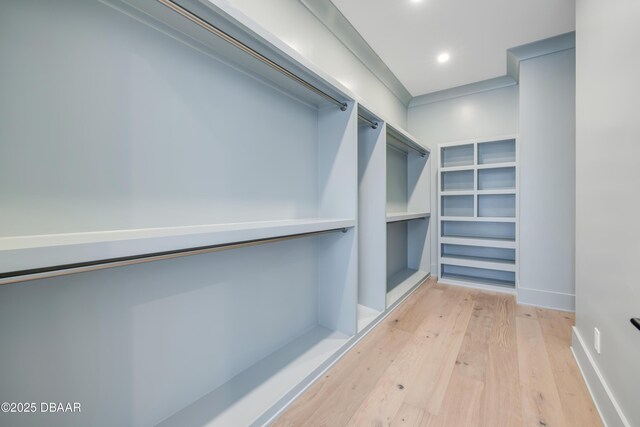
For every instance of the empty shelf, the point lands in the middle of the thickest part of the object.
(478, 262)
(366, 315)
(457, 168)
(496, 192)
(478, 219)
(459, 279)
(471, 241)
(42, 251)
(400, 283)
(457, 193)
(497, 165)
(406, 216)
(245, 398)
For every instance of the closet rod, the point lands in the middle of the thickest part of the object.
(81, 267)
(374, 125)
(243, 47)
(395, 147)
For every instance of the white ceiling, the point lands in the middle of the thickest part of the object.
(409, 35)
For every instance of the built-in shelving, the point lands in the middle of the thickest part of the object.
(242, 400)
(400, 283)
(366, 315)
(199, 143)
(38, 252)
(195, 143)
(406, 216)
(478, 195)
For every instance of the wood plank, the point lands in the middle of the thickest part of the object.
(526, 311)
(367, 360)
(577, 406)
(409, 312)
(519, 370)
(411, 319)
(501, 405)
(387, 396)
(408, 416)
(429, 381)
(352, 387)
(462, 403)
(540, 400)
(472, 359)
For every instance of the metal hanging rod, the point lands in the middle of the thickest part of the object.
(373, 124)
(411, 147)
(81, 267)
(243, 47)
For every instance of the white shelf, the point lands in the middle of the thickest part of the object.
(31, 252)
(477, 219)
(493, 192)
(497, 165)
(471, 241)
(477, 262)
(457, 193)
(406, 216)
(457, 168)
(477, 283)
(401, 283)
(366, 315)
(244, 399)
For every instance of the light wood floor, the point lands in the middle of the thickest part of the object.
(451, 356)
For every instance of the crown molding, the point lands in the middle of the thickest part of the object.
(458, 91)
(335, 21)
(515, 56)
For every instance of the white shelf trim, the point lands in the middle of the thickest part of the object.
(42, 251)
(471, 241)
(497, 165)
(457, 193)
(478, 263)
(457, 168)
(406, 216)
(496, 192)
(478, 219)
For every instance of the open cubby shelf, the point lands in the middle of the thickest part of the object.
(497, 205)
(457, 181)
(497, 179)
(459, 155)
(493, 152)
(478, 196)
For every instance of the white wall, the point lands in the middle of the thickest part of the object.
(292, 22)
(482, 114)
(607, 200)
(547, 180)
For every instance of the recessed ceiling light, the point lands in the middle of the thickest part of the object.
(416, 1)
(443, 57)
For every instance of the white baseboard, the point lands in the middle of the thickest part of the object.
(546, 299)
(610, 411)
